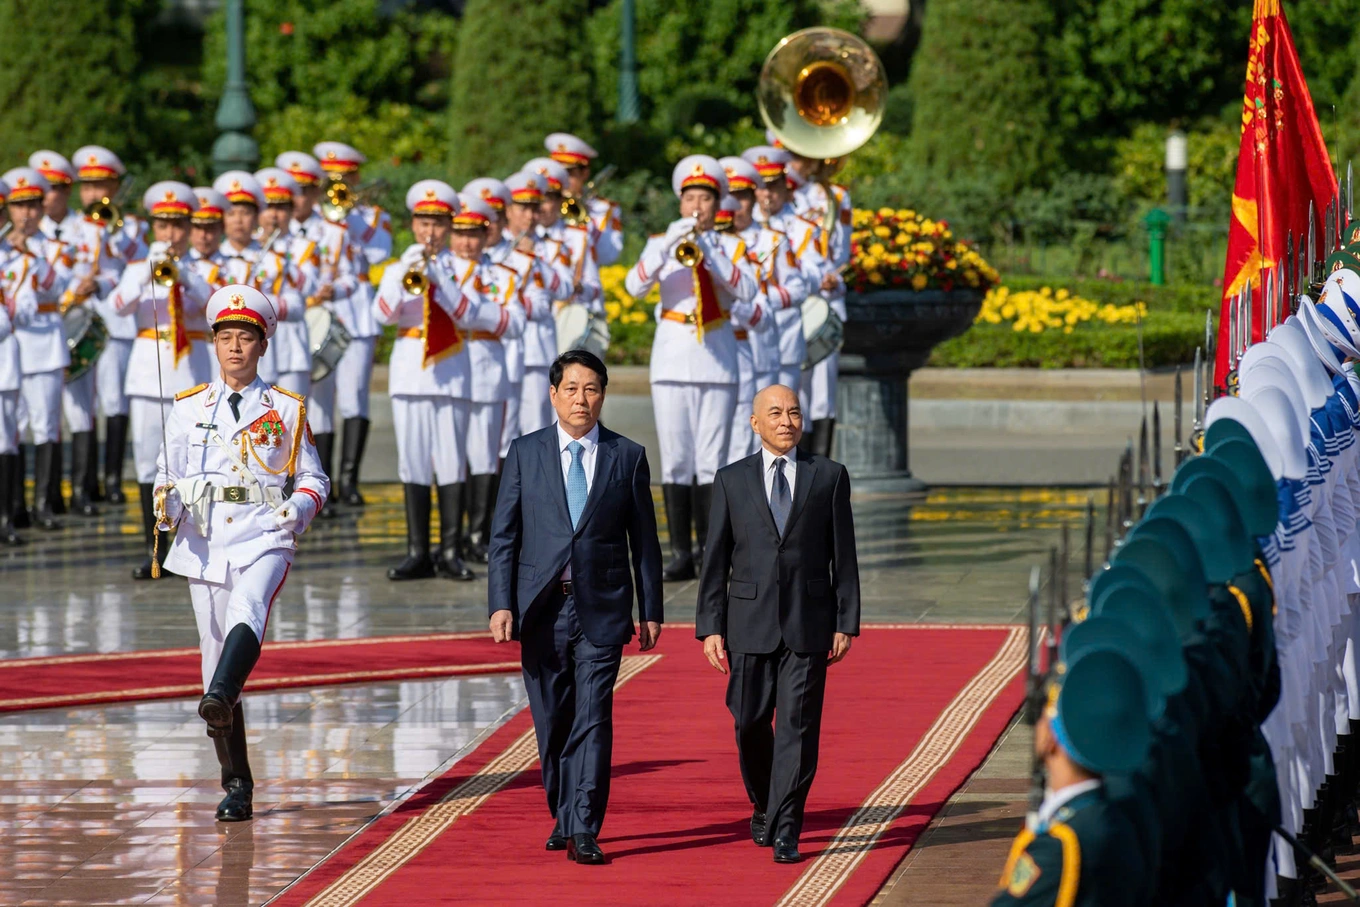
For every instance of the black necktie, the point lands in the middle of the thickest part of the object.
(235, 401)
(780, 499)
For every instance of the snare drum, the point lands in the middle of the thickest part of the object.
(327, 339)
(578, 328)
(86, 337)
(822, 329)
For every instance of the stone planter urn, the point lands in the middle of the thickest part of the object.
(888, 335)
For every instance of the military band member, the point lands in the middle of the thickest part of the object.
(500, 251)
(774, 209)
(540, 335)
(206, 232)
(59, 221)
(100, 174)
(694, 370)
(370, 240)
(782, 287)
(430, 379)
(18, 304)
(488, 359)
(575, 240)
(827, 205)
(231, 446)
(43, 356)
(168, 297)
(607, 228)
(291, 349)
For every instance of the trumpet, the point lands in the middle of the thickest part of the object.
(687, 251)
(166, 272)
(575, 211)
(338, 202)
(416, 281)
(105, 213)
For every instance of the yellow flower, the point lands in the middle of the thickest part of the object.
(882, 232)
(919, 282)
(877, 250)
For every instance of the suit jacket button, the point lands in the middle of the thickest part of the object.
(229, 520)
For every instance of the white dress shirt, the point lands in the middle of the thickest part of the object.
(1056, 800)
(790, 469)
(591, 444)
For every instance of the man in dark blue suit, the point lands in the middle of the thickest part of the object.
(575, 497)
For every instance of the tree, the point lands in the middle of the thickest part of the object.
(68, 78)
(981, 93)
(520, 71)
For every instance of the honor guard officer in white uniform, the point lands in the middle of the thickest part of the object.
(230, 448)
(540, 336)
(340, 266)
(43, 356)
(774, 209)
(100, 173)
(832, 214)
(782, 287)
(290, 353)
(575, 240)
(576, 155)
(17, 306)
(499, 251)
(206, 230)
(491, 355)
(370, 236)
(59, 221)
(430, 295)
(167, 296)
(694, 355)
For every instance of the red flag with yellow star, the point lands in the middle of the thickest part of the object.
(1282, 165)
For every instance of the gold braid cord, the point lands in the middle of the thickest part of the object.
(158, 509)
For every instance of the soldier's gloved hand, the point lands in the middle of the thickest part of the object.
(159, 251)
(412, 256)
(678, 231)
(288, 516)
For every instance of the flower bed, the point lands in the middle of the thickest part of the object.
(903, 249)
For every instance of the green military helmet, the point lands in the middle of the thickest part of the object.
(1149, 620)
(1114, 574)
(1224, 430)
(1164, 551)
(1346, 258)
(1102, 714)
(1108, 633)
(1214, 525)
(1260, 505)
(1257, 505)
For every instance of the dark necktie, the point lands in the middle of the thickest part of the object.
(235, 401)
(780, 499)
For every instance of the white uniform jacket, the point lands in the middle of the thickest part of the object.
(585, 272)
(18, 305)
(685, 350)
(342, 265)
(608, 229)
(535, 280)
(101, 254)
(371, 227)
(254, 455)
(486, 350)
(454, 291)
(209, 267)
(811, 202)
(45, 267)
(275, 274)
(155, 331)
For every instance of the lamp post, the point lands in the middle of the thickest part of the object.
(1175, 174)
(234, 148)
(628, 92)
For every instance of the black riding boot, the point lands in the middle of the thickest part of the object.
(325, 451)
(356, 436)
(84, 484)
(18, 501)
(481, 499)
(450, 560)
(236, 778)
(44, 507)
(115, 452)
(679, 504)
(417, 564)
(703, 498)
(240, 651)
(54, 495)
(7, 534)
(150, 532)
(823, 432)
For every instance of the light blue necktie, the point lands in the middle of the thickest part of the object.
(576, 483)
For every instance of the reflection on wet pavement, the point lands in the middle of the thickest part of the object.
(115, 804)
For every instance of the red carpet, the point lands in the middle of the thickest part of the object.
(909, 715)
(71, 680)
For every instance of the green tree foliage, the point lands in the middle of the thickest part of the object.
(520, 72)
(67, 78)
(982, 94)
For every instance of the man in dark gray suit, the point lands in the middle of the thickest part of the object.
(779, 601)
(575, 498)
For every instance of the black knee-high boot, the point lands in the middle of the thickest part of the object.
(356, 437)
(679, 503)
(240, 651)
(450, 560)
(325, 452)
(481, 503)
(237, 780)
(823, 433)
(54, 496)
(417, 564)
(7, 534)
(703, 498)
(18, 494)
(84, 484)
(44, 507)
(115, 452)
(155, 540)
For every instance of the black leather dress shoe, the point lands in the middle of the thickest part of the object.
(758, 824)
(236, 805)
(216, 713)
(556, 840)
(786, 851)
(583, 849)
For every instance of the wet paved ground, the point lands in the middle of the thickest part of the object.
(114, 804)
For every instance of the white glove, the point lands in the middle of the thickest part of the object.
(679, 230)
(159, 251)
(412, 256)
(286, 516)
